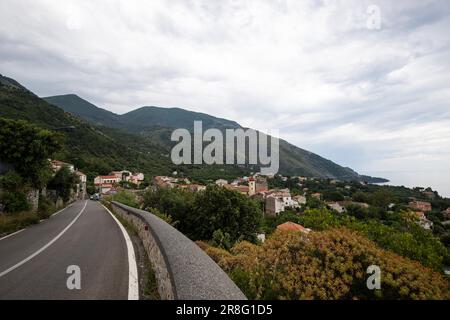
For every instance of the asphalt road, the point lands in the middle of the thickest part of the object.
(34, 262)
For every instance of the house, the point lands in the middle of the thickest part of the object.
(251, 186)
(422, 220)
(57, 165)
(105, 188)
(299, 199)
(274, 205)
(239, 188)
(420, 206)
(221, 182)
(317, 195)
(125, 175)
(291, 226)
(163, 182)
(192, 187)
(104, 184)
(136, 178)
(81, 186)
(336, 206)
(277, 201)
(110, 179)
(261, 185)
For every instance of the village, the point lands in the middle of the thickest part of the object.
(274, 201)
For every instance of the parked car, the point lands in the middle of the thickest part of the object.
(95, 197)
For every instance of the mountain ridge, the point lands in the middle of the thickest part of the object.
(156, 123)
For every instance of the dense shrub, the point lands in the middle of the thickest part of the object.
(63, 182)
(14, 201)
(402, 236)
(127, 198)
(202, 213)
(330, 264)
(28, 147)
(46, 207)
(12, 193)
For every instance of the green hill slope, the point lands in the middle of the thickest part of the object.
(156, 124)
(86, 110)
(93, 149)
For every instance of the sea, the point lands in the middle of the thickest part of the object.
(438, 180)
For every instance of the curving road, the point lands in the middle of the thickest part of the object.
(34, 262)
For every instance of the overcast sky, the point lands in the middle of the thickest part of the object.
(366, 97)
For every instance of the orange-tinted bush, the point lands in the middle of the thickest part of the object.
(326, 265)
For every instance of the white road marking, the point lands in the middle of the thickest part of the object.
(60, 210)
(44, 247)
(11, 234)
(133, 283)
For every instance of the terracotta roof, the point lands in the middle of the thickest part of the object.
(419, 214)
(238, 188)
(291, 226)
(107, 177)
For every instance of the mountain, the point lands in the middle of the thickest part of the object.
(138, 119)
(86, 110)
(93, 149)
(174, 118)
(156, 125)
(10, 82)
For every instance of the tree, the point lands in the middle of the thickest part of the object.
(221, 240)
(357, 211)
(174, 202)
(12, 194)
(200, 214)
(63, 182)
(219, 208)
(333, 195)
(28, 148)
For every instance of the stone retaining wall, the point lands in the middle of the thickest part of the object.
(182, 269)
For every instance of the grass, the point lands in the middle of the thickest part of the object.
(10, 223)
(150, 289)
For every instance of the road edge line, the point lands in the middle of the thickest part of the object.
(11, 234)
(44, 247)
(133, 283)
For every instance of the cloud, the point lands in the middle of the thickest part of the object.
(364, 98)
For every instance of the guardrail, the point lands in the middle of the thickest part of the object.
(183, 270)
